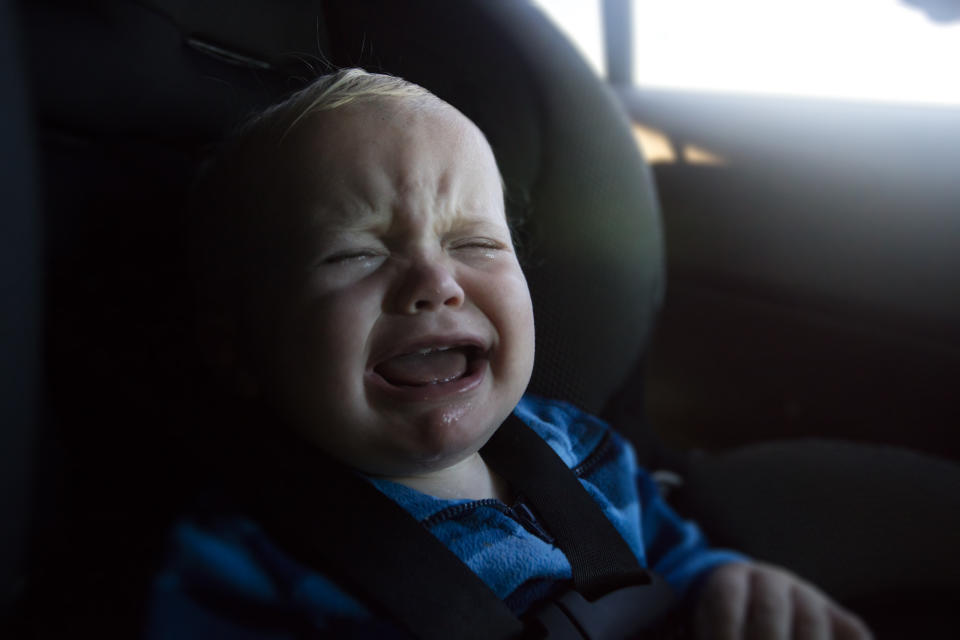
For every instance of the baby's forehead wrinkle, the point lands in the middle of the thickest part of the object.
(351, 200)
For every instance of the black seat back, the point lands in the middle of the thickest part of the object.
(20, 305)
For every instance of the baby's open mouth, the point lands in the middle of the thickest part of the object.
(430, 366)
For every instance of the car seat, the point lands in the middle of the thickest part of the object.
(20, 296)
(128, 94)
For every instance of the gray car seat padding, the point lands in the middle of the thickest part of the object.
(20, 305)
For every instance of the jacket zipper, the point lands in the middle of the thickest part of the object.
(518, 512)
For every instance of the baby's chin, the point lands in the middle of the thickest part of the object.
(440, 438)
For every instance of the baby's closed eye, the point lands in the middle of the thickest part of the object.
(487, 248)
(350, 255)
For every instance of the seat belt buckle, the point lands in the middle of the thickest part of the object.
(633, 611)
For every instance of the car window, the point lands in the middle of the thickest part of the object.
(580, 20)
(874, 50)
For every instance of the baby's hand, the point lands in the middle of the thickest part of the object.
(753, 600)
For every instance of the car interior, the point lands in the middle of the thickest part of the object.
(777, 332)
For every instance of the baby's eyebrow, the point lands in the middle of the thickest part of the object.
(472, 221)
(475, 226)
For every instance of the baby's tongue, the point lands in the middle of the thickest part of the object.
(418, 369)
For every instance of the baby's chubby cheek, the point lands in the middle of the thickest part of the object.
(520, 339)
(521, 309)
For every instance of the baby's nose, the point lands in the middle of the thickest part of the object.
(428, 286)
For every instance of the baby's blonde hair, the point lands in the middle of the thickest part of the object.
(332, 92)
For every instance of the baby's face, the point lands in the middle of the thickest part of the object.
(407, 338)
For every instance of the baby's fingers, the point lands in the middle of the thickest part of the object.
(721, 611)
(771, 606)
(816, 616)
(847, 626)
(811, 613)
(756, 601)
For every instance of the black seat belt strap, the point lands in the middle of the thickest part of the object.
(600, 558)
(375, 549)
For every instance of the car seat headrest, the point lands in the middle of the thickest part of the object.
(155, 80)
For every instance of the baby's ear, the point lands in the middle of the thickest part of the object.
(219, 344)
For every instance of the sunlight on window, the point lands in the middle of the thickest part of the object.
(656, 146)
(659, 149)
(694, 154)
(878, 50)
(580, 21)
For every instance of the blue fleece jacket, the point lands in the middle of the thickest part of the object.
(225, 578)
